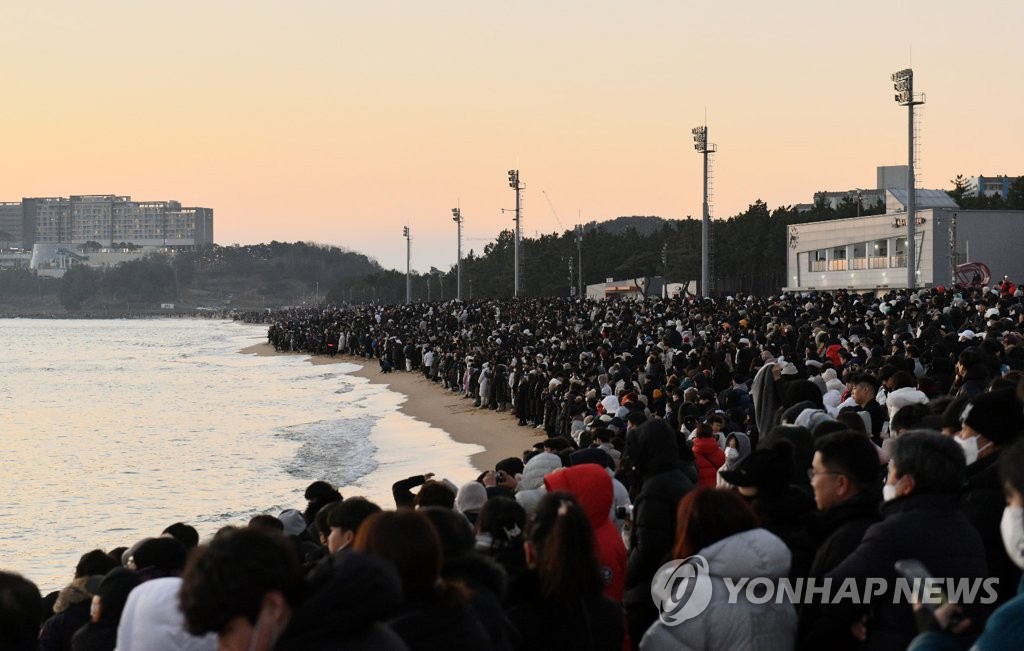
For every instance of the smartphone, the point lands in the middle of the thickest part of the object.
(913, 569)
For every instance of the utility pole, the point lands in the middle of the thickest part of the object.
(408, 264)
(513, 182)
(700, 143)
(457, 218)
(664, 270)
(903, 83)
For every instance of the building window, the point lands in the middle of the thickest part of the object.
(818, 260)
(838, 260)
(860, 256)
(879, 254)
(899, 253)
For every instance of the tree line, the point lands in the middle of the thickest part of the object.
(748, 256)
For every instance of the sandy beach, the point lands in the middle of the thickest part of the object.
(498, 434)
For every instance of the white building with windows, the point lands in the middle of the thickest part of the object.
(108, 220)
(870, 253)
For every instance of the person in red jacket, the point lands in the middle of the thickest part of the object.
(709, 456)
(592, 486)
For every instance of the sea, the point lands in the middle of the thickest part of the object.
(111, 430)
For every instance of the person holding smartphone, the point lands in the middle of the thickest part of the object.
(1004, 629)
(921, 519)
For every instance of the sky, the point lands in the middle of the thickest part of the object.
(340, 122)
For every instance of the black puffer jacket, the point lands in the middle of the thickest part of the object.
(660, 483)
(982, 502)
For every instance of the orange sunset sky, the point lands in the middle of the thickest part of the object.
(340, 122)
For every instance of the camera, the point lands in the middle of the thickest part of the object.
(624, 512)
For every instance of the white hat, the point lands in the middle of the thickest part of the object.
(967, 334)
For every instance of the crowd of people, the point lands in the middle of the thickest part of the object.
(828, 437)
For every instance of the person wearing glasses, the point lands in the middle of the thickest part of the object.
(846, 479)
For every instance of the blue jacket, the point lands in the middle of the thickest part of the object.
(1003, 630)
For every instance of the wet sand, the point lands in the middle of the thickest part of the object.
(497, 433)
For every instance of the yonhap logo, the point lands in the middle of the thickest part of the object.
(681, 589)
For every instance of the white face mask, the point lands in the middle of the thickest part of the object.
(970, 448)
(731, 453)
(1011, 527)
(888, 492)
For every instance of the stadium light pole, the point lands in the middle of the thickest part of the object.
(457, 218)
(700, 143)
(408, 264)
(903, 84)
(513, 182)
(579, 256)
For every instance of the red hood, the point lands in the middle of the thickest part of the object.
(705, 446)
(590, 484)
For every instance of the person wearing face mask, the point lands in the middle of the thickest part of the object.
(1004, 629)
(737, 447)
(921, 519)
(990, 422)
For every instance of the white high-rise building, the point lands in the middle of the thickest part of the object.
(109, 220)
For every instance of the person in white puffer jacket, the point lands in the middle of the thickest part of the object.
(734, 547)
(531, 487)
(905, 393)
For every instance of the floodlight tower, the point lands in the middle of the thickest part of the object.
(903, 83)
(700, 143)
(457, 218)
(408, 264)
(513, 182)
(579, 256)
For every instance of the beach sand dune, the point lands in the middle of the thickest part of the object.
(497, 433)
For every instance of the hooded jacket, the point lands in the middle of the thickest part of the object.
(591, 484)
(152, 621)
(766, 400)
(72, 612)
(739, 625)
(531, 488)
(900, 398)
(742, 450)
(709, 458)
(654, 453)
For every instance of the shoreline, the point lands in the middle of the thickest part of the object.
(498, 434)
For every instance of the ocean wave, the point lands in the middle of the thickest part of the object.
(338, 450)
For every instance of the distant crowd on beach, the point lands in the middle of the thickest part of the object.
(825, 439)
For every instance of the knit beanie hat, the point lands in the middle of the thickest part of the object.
(996, 415)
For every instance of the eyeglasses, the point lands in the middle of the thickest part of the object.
(811, 474)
